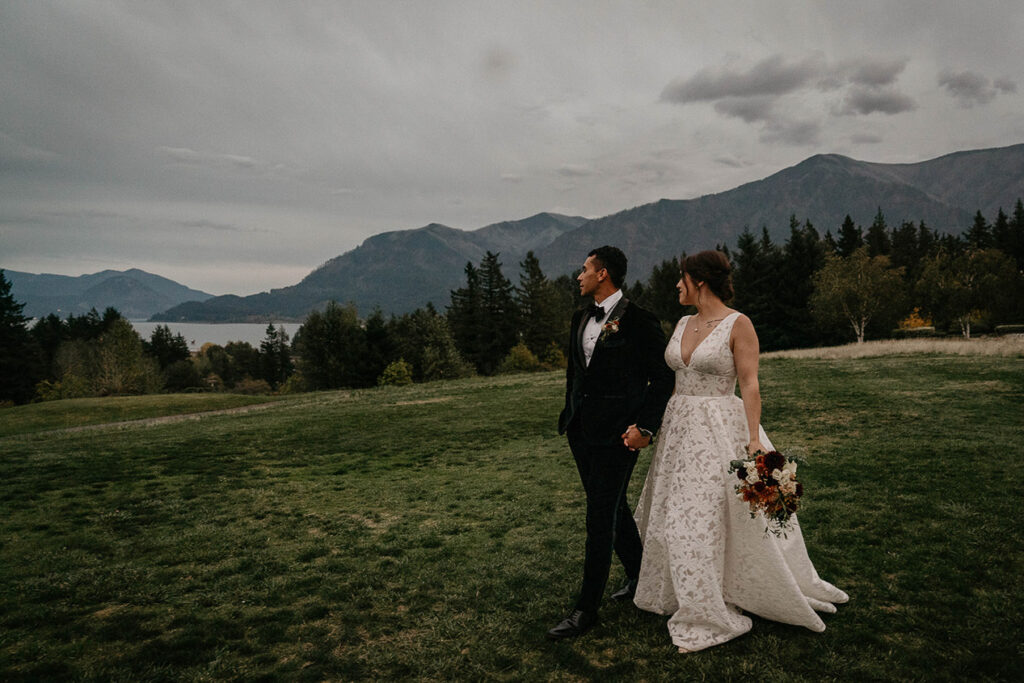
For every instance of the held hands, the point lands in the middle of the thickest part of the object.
(754, 446)
(633, 439)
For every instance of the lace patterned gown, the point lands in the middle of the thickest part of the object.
(704, 559)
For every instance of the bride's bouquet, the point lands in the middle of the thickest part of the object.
(768, 485)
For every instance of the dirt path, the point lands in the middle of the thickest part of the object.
(153, 421)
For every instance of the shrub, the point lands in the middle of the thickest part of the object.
(252, 386)
(553, 358)
(520, 359)
(181, 375)
(295, 384)
(915, 321)
(398, 373)
(1009, 329)
(444, 363)
(69, 386)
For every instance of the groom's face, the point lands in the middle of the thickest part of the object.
(591, 276)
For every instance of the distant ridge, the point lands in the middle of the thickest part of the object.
(394, 271)
(944, 192)
(402, 270)
(135, 293)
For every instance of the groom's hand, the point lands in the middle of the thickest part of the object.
(633, 439)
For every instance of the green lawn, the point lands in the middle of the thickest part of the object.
(81, 412)
(436, 532)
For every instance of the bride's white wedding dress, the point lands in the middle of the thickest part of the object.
(704, 558)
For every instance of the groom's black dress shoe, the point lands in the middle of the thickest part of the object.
(626, 592)
(576, 624)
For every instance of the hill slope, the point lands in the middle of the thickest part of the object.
(400, 271)
(395, 271)
(135, 293)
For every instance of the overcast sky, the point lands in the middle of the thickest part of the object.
(235, 146)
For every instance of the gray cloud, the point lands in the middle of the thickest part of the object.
(866, 139)
(574, 170)
(874, 73)
(750, 109)
(794, 133)
(318, 124)
(13, 151)
(191, 157)
(771, 76)
(1005, 85)
(971, 88)
(731, 162)
(212, 225)
(869, 100)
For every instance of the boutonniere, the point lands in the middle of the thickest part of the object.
(611, 327)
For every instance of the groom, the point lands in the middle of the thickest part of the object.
(617, 385)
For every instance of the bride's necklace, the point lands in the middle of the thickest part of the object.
(707, 325)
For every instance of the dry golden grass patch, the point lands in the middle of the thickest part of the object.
(1008, 346)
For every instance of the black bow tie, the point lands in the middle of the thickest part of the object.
(595, 311)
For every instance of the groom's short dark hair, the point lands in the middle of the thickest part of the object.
(614, 261)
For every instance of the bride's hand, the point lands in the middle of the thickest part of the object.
(754, 446)
(633, 439)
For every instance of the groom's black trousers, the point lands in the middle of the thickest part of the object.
(605, 473)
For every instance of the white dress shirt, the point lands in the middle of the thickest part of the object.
(592, 330)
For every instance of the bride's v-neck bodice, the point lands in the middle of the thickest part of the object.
(711, 371)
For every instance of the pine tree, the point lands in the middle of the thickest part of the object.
(661, 296)
(905, 251)
(19, 368)
(1001, 235)
(165, 347)
(802, 255)
(1016, 251)
(979, 235)
(331, 346)
(537, 299)
(275, 355)
(877, 238)
(465, 317)
(499, 313)
(755, 279)
(927, 241)
(850, 238)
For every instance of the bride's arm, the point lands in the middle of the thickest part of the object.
(745, 351)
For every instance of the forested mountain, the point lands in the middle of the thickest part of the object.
(135, 293)
(395, 271)
(403, 270)
(945, 193)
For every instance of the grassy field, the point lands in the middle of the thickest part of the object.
(436, 532)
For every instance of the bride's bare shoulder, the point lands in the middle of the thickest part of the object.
(743, 327)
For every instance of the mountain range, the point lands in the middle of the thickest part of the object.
(135, 293)
(402, 270)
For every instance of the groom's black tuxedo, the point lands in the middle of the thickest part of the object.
(627, 382)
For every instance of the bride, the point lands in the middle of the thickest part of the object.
(705, 561)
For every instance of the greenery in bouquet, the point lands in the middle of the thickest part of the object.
(768, 485)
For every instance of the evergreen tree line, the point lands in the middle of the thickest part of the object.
(815, 290)
(101, 355)
(811, 290)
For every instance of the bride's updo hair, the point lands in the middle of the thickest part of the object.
(713, 269)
